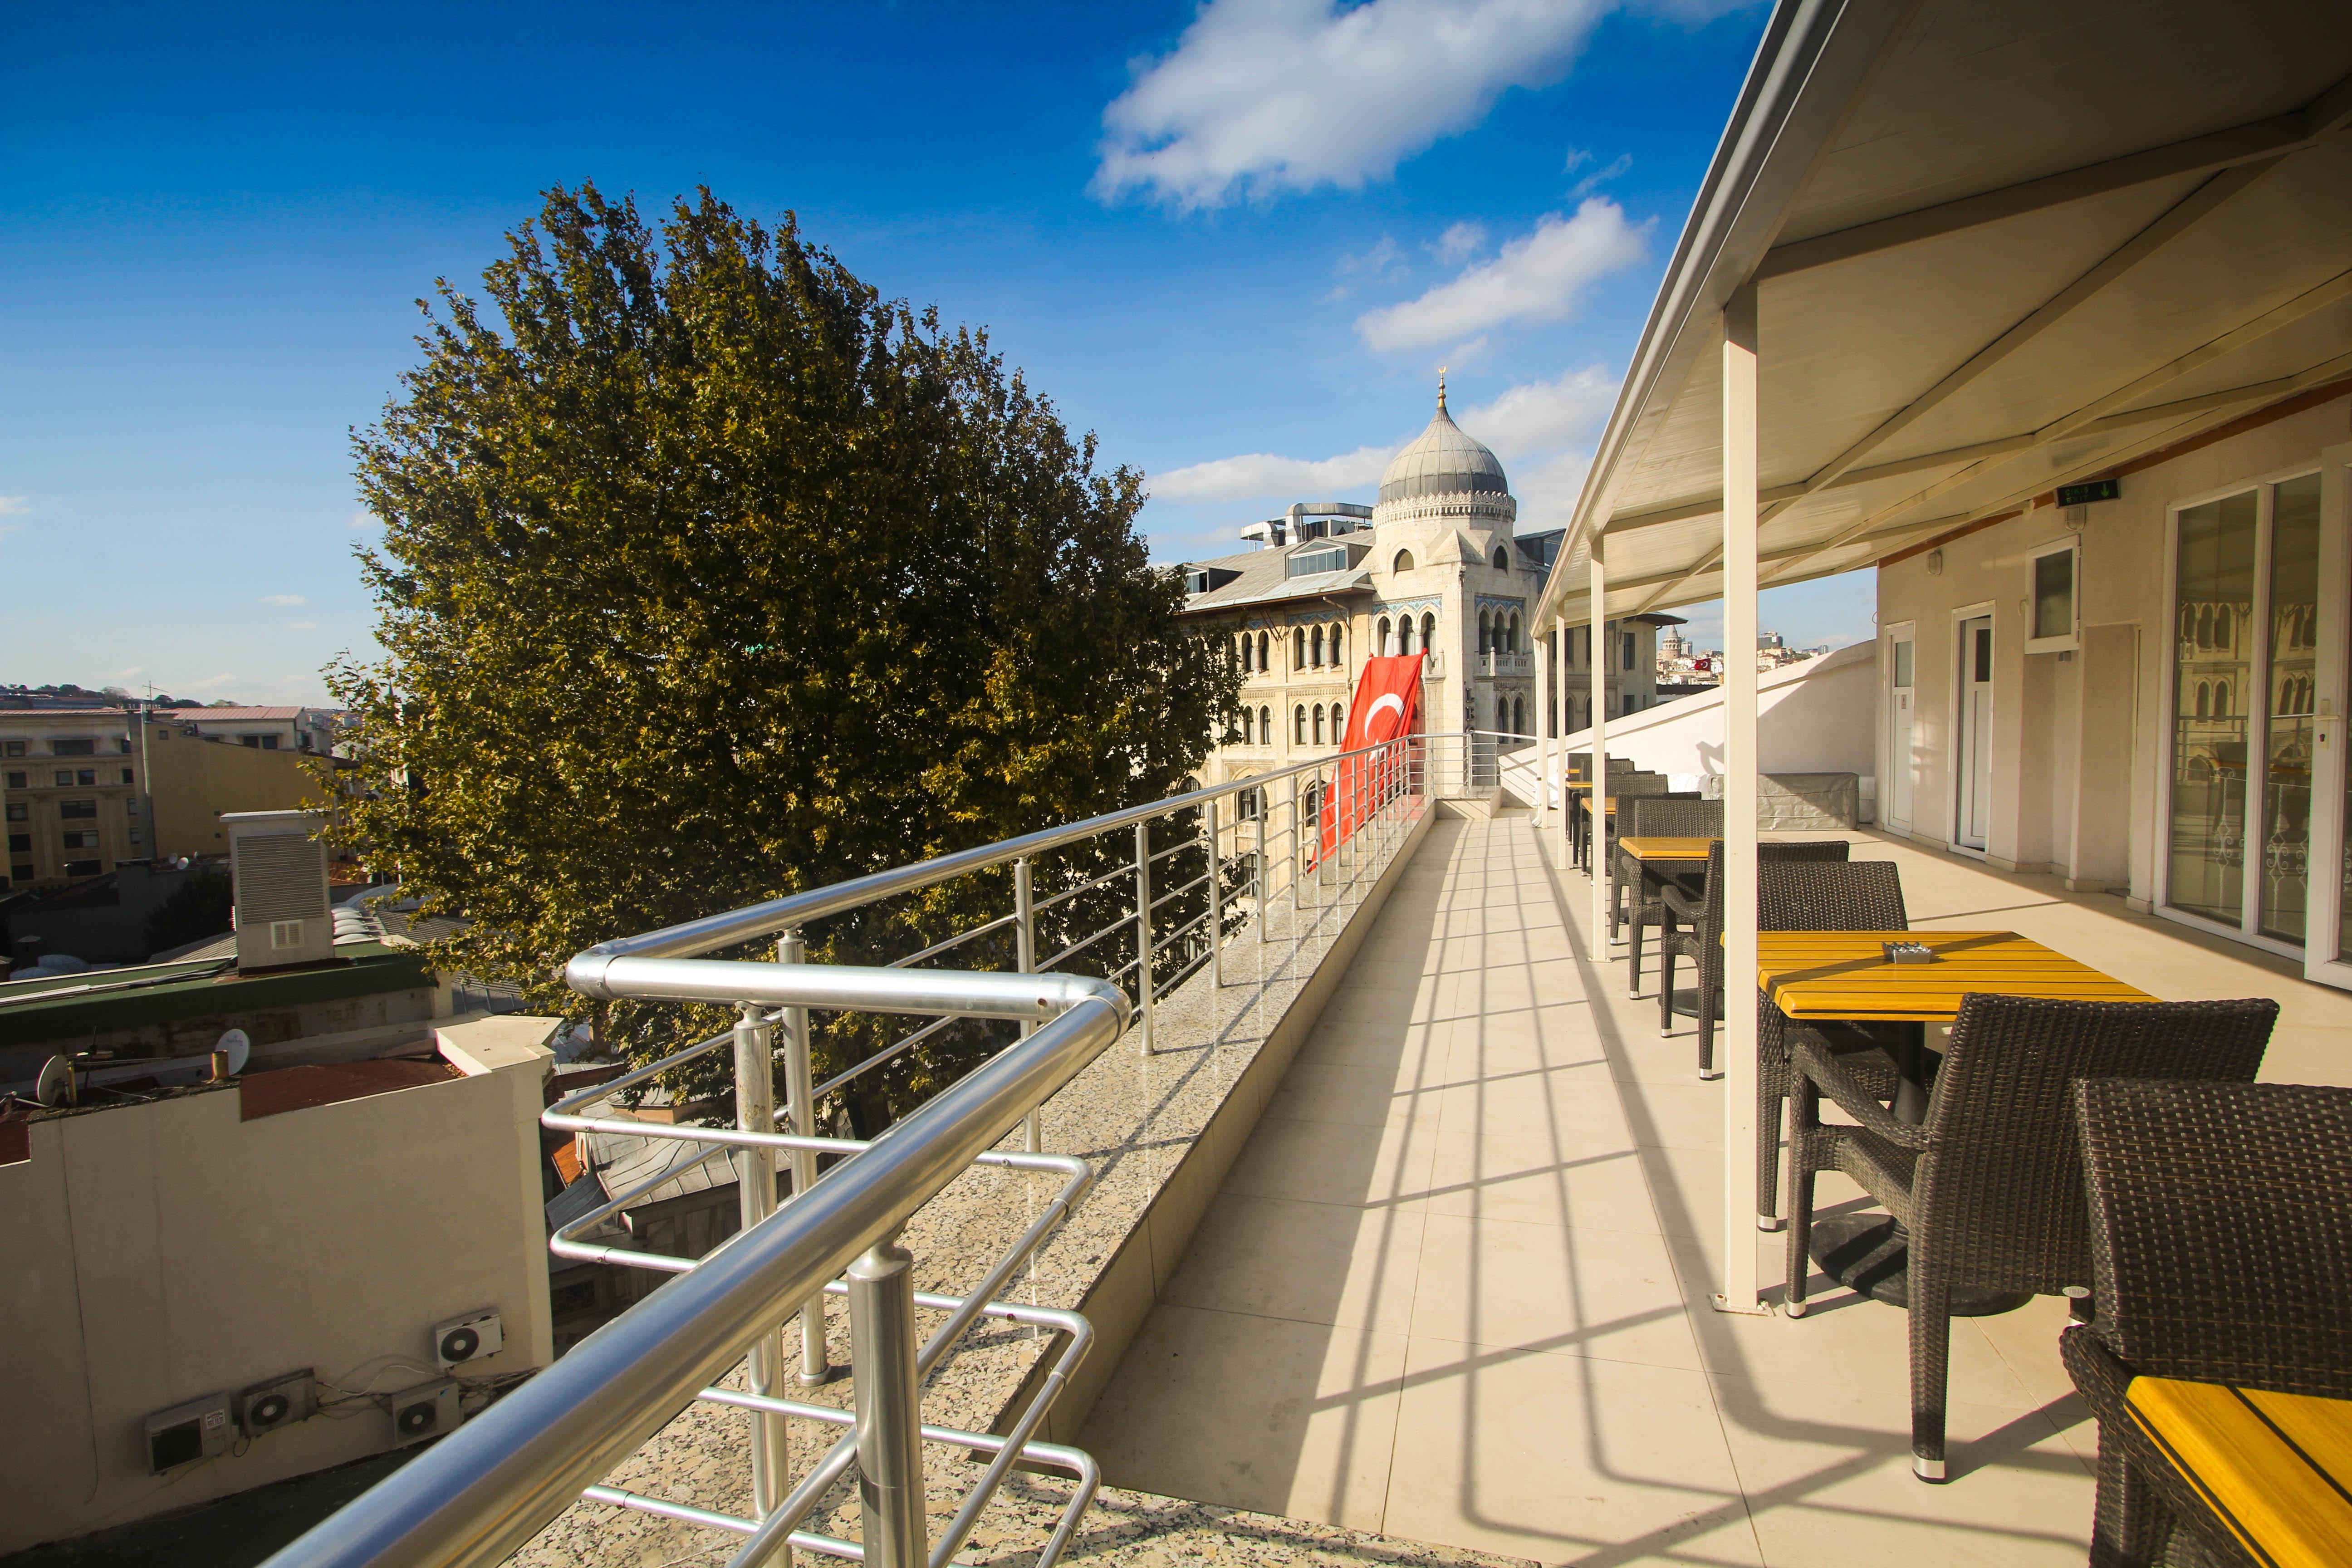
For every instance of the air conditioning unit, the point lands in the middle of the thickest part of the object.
(277, 870)
(476, 1334)
(186, 1432)
(280, 1401)
(428, 1410)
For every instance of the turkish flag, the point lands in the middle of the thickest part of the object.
(1387, 708)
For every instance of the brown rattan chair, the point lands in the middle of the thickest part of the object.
(1989, 1185)
(1691, 927)
(2220, 1232)
(1668, 817)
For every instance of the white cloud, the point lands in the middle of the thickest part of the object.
(14, 505)
(1262, 96)
(281, 598)
(1264, 474)
(1547, 492)
(1538, 276)
(361, 519)
(1585, 186)
(1542, 415)
(1459, 243)
(301, 626)
(209, 683)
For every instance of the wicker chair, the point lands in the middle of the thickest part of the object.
(1692, 928)
(1989, 1185)
(2220, 1229)
(1665, 816)
(1622, 787)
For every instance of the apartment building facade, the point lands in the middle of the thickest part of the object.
(73, 794)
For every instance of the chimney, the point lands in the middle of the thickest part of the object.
(279, 870)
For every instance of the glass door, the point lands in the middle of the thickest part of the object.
(1973, 804)
(1901, 647)
(2245, 716)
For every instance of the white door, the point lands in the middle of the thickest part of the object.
(1975, 803)
(1899, 739)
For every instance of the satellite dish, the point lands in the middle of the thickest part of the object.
(56, 1084)
(238, 1047)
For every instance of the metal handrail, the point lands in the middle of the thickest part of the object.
(487, 1488)
(501, 1478)
(797, 910)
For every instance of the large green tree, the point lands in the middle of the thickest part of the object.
(708, 574)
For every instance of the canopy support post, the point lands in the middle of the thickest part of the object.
(1740, 791)
(1543, 733)
(1596, 660)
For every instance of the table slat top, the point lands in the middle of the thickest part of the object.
(2275, 1467)
(1646, 846)
(1845, 974)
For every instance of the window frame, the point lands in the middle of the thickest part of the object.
(2071, 546)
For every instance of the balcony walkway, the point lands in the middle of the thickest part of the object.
(1456, 1287)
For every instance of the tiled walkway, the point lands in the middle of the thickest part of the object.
(1455, 1287)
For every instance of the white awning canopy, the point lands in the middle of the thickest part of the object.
(1998, 246)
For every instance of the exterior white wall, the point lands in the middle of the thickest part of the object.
(2078, 743)
(1810, 718)
(162, 1252)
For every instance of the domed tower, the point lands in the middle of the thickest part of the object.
(1446, 475)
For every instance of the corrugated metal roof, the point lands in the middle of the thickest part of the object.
(1262, 581)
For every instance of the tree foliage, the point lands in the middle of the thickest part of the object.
(708, 574)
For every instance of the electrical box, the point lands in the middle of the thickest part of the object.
(276, 1402)
(186, 1432)
(460, 1340)
(428, 1410)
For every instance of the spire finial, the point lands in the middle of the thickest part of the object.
(1441, 389)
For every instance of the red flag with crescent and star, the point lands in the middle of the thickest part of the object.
(1387, 707)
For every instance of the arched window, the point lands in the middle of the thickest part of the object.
(1387, 634)
(1245, 653)
(1485, 633)
(1261, 653)
(2222, 696)
(1298, 723)
(1338, 721)
(2222, 628)
(1502, 559)
(1314, 646)
(1247, 737)
(1265, 726)
(1334, 646)
(1518, 717)
(1513, 644)
(1429, 631)
(1318, 723)
(1404, 635)
(1298, 647)
(1404, 561)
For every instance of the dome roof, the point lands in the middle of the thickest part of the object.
(1444, 460)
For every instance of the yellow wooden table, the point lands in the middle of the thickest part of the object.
(2277, 1468)
(1845, 976)
(1649, 847)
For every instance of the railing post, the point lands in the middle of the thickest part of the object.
(1264, 902)
(800, 1091)
(1216, 899)
(755, 1192)
(1143, 930)
(1297, 854)
(890, 1412)
(1024, 958)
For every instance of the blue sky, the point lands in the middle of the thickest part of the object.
(1233, 239)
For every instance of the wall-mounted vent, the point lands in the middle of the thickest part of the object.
(279, 870)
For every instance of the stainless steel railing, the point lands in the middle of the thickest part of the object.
(483, 1491)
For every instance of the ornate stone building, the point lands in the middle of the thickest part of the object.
(1435, 565)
